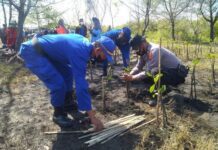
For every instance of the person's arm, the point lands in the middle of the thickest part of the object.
(83, 96)
(138, 67)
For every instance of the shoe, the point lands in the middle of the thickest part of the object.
(61, 119)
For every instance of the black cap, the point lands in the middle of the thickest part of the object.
(136, 41)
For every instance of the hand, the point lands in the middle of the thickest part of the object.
(98, 125)
(127, 77)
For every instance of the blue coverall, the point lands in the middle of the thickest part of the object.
(124, 48)
(67, 56)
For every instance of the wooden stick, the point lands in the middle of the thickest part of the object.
(63, 132)
(109, 124)
(116, 132)
(117, 126)
(123, 125)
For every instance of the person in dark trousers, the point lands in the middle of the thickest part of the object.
(174, 72)
(57, 60)
(81, 29)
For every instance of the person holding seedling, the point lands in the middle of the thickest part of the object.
(172, 70)
(59, 59)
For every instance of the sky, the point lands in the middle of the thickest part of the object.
(69, 7)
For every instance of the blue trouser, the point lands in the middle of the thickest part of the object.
(126, 57)
(55, 75)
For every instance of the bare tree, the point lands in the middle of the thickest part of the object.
(4, 12)
(23, 8)
(111, 4)
(209, 11)
(173, 9)
(141, 8)
(96, 8)
(10, 11)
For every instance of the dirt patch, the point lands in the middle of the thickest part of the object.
(25, 112)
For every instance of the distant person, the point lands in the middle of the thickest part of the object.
(11, 35)
(61, 29)
(96, 30)
(121, 37)
(81, 29)
(109, 28)
(58, 60)
(174, 72)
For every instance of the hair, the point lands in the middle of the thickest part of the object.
(97, 24)
(137, 40)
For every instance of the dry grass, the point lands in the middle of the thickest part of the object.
(182, 134)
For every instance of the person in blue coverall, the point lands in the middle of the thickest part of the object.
(96, 30)
(121, 38)
(57, 60)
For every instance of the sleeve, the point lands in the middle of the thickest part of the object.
(153, 59)
(139, 66)
(82, 93)
(96, 32)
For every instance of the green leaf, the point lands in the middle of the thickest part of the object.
(196, 61)
(211, 56)
(157, 77)
(127, 70)
(153, 95)
(151, 89)
(163, 88)
(148, 74)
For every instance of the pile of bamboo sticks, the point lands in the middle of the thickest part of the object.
(115, 128)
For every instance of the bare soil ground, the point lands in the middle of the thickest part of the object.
(25, 114)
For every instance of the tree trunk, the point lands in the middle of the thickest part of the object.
(21, 19)
(4, 12)
(211, 31)
(10, 12)
(173, 29)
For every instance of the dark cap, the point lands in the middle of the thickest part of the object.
(136, 41)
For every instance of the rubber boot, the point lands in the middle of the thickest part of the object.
(61, 119)
(70, 104)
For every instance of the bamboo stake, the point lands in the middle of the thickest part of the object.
(111, 123)
(63, 132)
(103, 94)
(91, 71)
(119, 125)
(129, 130)
(119, 130)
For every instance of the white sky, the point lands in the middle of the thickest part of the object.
(121, 12)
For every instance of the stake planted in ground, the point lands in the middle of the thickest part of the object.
(193, 92)
(103, 93)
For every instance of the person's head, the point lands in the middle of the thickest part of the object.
(81, 22)
(139, 44)
(96, 23)
(61, 22)
(103, 49)
(125, 35)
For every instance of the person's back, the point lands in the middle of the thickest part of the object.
(168, 59)
(65, 46)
